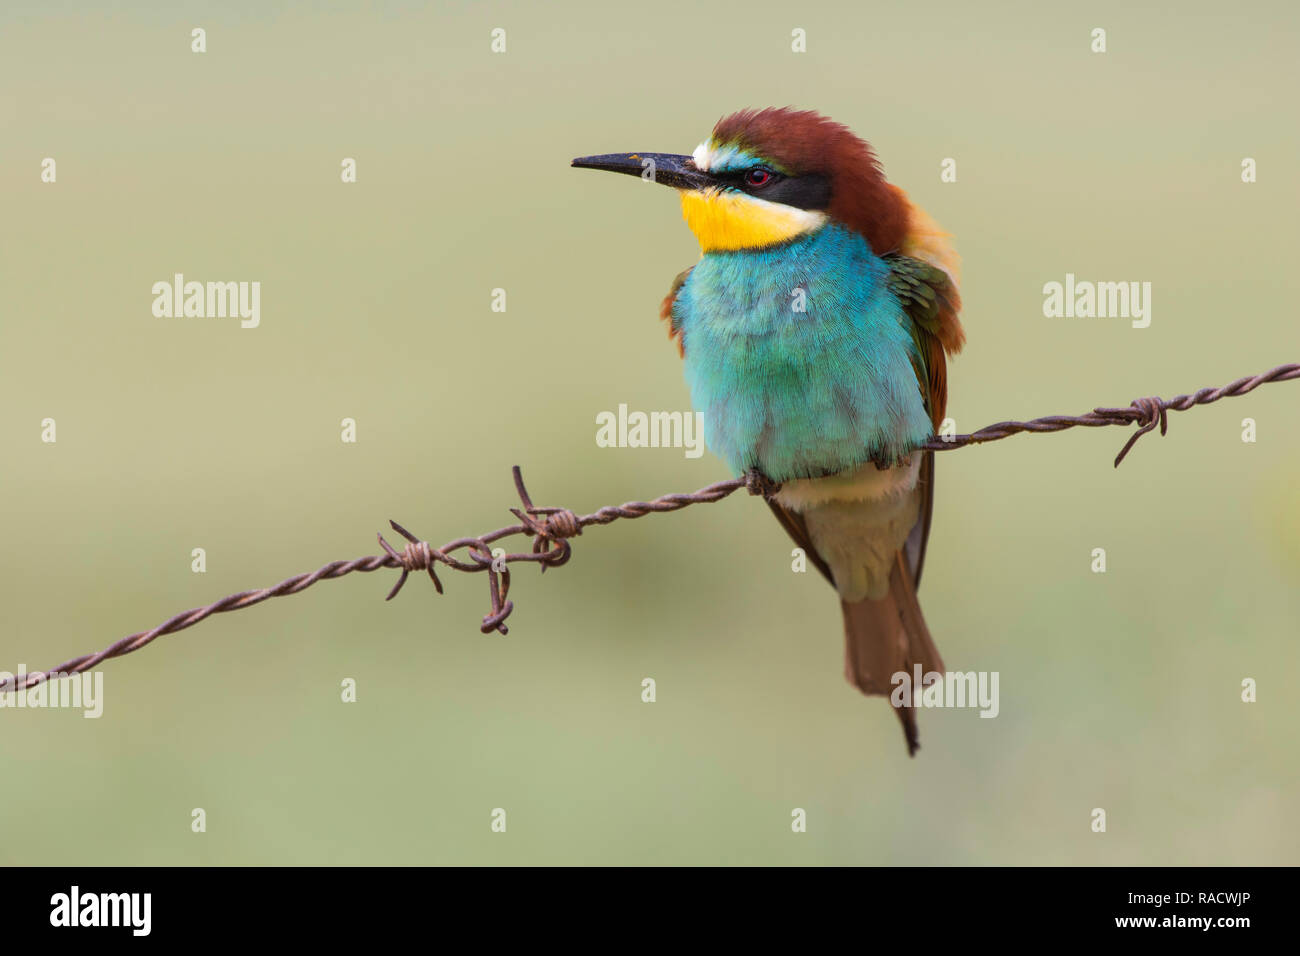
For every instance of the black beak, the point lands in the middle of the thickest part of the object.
(667, 169)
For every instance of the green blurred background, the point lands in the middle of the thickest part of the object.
(1119, 691)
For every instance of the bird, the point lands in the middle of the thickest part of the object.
(814, 333)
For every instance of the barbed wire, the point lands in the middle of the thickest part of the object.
(1147, 412)
(551, 528)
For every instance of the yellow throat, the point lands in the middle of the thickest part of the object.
(725, 221)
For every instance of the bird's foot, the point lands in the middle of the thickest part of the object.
(757, 483)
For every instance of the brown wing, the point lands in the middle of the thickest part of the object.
(666, 310)
(931, 300)
(919, 536)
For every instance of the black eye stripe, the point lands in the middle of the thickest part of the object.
(812, 191)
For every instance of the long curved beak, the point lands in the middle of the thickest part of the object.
(667, 169)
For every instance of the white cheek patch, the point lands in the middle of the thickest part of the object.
(702, 157)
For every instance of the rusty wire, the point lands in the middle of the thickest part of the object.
(1147, 412)
(551, 528)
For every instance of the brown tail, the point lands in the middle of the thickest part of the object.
(889, 635)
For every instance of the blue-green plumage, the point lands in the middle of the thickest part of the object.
(794, 393)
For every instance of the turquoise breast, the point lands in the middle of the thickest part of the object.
(800, 357)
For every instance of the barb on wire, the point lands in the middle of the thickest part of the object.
(1147, 412)
(551, 528)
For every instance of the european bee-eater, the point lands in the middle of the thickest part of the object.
(814, 331)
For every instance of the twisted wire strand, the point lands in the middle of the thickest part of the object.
(1147, 412)
(551, 528)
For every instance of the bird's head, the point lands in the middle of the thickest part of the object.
(766, 176)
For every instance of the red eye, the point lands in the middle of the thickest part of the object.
(758, 177)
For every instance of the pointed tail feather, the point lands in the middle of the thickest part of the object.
(888, 635)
